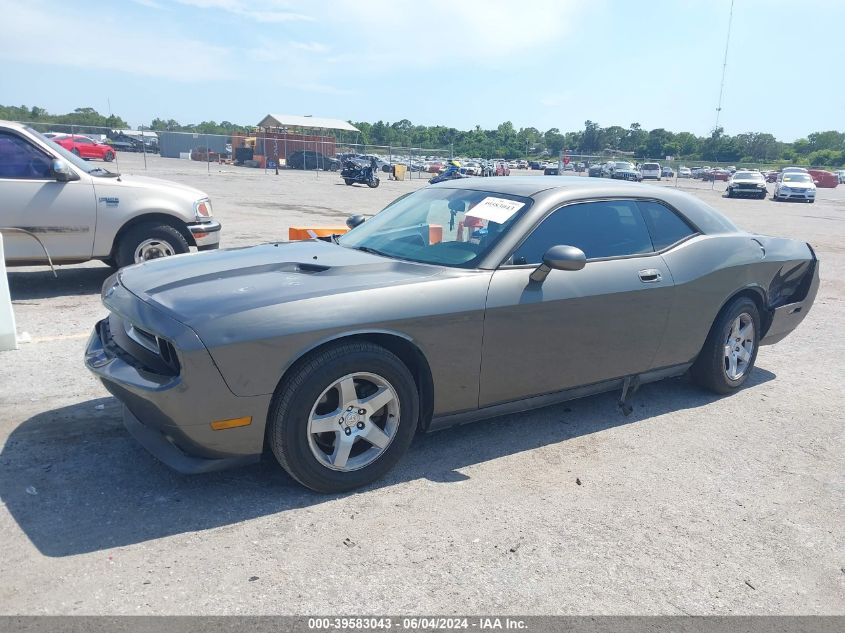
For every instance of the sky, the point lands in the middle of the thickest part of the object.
(540, 63)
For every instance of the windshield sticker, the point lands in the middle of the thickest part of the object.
(498, 210)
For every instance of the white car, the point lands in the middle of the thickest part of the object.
(651, 170)
(684, 172)
(795, 185)
(81, 211)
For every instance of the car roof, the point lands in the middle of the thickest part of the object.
(561, 189)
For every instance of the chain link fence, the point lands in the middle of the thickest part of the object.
(269, 151)
(312, 150)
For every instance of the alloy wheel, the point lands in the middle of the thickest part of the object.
(153, 249)
(353, 421)
(739, 346)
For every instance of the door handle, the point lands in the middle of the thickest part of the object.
(650, 275)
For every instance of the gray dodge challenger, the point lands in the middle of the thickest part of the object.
(465, 300)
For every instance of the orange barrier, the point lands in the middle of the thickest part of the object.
(302, 232)
(435, 232)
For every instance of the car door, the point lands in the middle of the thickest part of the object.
(85, 147)
(62, 214)
(576, 327)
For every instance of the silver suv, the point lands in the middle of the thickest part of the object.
(81, 211)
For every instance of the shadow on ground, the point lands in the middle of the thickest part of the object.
(29, 285)
(76, 482)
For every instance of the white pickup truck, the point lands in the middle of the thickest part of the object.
(81, 211)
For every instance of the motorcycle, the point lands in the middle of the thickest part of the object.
(451, 173)
(359, 171)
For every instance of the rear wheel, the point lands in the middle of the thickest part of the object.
(344, 418)
(149, 241)
(109, 157)
(728, 355)
(75, 151)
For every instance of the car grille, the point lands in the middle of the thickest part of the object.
(137, 347)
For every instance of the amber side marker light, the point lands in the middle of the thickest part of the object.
(219, 425)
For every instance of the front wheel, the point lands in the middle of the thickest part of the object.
(344, 417)
(149, 241)
(372, 183)
(728, 355)
(348, 181)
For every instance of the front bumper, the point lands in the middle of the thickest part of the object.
(791, 194)
(170, 413)
(206, 234)
(750, 192)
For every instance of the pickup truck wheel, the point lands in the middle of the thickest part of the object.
(149, 241)
(730, 350)
(344, 417)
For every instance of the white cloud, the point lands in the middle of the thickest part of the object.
(152, 4)
(469, 33)
(274, 11)
(129, 50)
(311, 47)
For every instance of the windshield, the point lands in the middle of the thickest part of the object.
(70, 157)
(623, 165)
(796, 178)
(748, 175)
(651, 166)
(448, 227)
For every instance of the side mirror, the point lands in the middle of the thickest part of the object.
(62, 171)
(354, 220)
(559, 257)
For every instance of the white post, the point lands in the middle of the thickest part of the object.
(8, 333)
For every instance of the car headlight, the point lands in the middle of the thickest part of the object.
(202, 208)
(762, 185)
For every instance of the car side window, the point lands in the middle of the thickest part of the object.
(666, 226)
(611, 228)
(22, 160)
(81, 140)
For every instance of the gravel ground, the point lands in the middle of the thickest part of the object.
(694, 504)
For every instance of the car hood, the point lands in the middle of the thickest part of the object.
(157, 184)
(747, 181)
(197, 288)
(798, 185)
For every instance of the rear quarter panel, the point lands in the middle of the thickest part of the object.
(710, 269)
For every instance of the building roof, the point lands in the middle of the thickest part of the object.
(293, 120)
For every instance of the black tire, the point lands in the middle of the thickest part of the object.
(373, 183)
(296, 395)
(762, 196)
(348, 181)
(730, 193)
(709, 370)
(134, 237)
(813, 201)
(109, 157)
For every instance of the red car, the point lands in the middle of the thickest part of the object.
(717, 174)
(84, 147)
(824, 178)
(502, 169)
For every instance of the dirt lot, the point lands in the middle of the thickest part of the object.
(694, 504)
